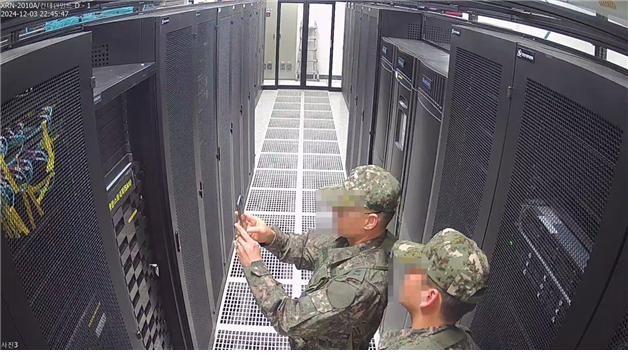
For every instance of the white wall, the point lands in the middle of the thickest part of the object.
(339, 37)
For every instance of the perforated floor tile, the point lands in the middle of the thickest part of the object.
(288, 114)
(279, 179)
(240, 307)
(313, 106)
(317, 180)
(320, 100)
(279, 270)
(321, 147)
(282, 134)
(319, 124)
(278, 161)
(318, 115)
(288, 106)
(281, 146)
(287, 99)
(244, 340)
(316, 94)
(318, 134)
(285, 222)
(322, 162)
(309, 202)
(308, 222)
(306, 276)
(291, 123)
(288, 93)
(272, 200)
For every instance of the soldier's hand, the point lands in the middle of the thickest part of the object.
(248, 250)
(258, 230)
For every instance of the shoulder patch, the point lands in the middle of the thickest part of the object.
(357, 274)
(340, 294)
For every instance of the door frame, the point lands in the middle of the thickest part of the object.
(304, 46)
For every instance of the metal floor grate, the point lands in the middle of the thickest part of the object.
(278, 161)
(282, 134)
(276, 179)
(288, 106)
(283, 193)
(285, 222)
(316, 94)
(286, 114)
(321, 147)
(320, 135)
(318, 115)
(272, 200)
(309, 202)
(316, 106)
(323, 100)
(322, 162)
(319, 124)
(281, 146)
(245, 340)
(279, 270)
(286, 123)
(288, 99)
(307, 222)
(288, 93)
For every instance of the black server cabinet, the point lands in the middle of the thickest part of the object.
(177, 54)
(384, 94)
(437, 29)
(236, 97)
(430, 77)
(208, 143)
(248, 125)
(225, 130)
(558, 222)
(353, 104)
(62, 283)
(472, 135)
(346, 54)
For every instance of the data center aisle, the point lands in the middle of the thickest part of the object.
(298, 152)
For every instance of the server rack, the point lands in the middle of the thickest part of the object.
(430, 77)
(437, 29)
(384, 93)
(553, 230)
(236, 99)
(58, 244)
(357, 30)
(225, 129)
(178, 60)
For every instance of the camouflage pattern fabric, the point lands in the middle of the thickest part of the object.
(446, 337)
(454, 262)
(344, 301)
(381, 189)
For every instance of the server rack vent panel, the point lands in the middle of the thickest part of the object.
(179, 81)
(61, 260)
(432, 84)
(100, 55)
(437, 31)
(620, 337)
(472, 122)
(414, 31)
(562, 174)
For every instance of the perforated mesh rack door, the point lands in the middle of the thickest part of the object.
(179, 96)
(437, 31)
(469, 142)
(208, 146)
(563, 170)
(61, 262)
(620, 337)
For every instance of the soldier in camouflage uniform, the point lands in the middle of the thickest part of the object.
(344, 301)
(447, 280)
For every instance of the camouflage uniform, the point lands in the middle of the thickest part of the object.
(344, 301)
(460, 268)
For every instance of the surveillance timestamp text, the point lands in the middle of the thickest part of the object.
(33, 13)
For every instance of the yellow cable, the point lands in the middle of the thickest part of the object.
(44, 188)
(28, 210)
(7, 174)
(48, 146)
(29, 191)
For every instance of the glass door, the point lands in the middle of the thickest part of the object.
(300, 45)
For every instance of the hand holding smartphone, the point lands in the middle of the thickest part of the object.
(240, 209)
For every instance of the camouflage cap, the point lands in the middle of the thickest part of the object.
(454, 262)
(381, 189)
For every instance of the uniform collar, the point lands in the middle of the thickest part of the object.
(344, 252)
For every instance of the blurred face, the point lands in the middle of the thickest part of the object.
(414, 289)
(353, 222)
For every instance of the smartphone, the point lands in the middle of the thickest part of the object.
(240, 209)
